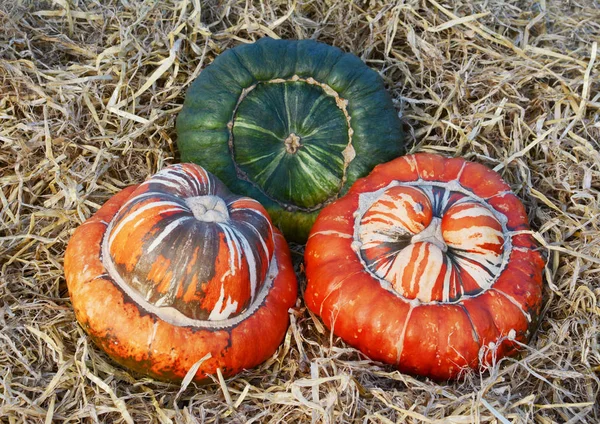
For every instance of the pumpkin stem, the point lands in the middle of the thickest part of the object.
(292, 143)
(208, 208)
(432, 234)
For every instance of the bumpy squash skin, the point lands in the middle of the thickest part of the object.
(142, 341)
(209, 118)
(433, 338)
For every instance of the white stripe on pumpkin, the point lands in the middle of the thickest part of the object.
(161, 181)
(142, 219)
(175, 177)
(219, 312)
(250, 260)
(447, 280)
(433, 267)
(471, 212)
(482, 276)
(473, 238)
(165, 232)
(397, 213)
(130, 217)
(196, 181)
(232, 248)
(395, 273)
(400, 344)
(260, 237)
(516, 303)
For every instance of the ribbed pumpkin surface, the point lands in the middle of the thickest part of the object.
(422, 265)
(182, 240)
(178, 269)
(290, 123)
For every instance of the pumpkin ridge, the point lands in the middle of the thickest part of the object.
(291, 127)
(202, 219)
(402, 338)
(512, 300)
(473, 329)
(431, 188)
(336, 287)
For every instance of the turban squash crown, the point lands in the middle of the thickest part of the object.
(178, 269)
(291, 123)
(422, 265)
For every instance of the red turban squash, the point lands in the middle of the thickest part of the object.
(421, 265)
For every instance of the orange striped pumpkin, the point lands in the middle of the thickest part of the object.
(421, 265)
(177, 270)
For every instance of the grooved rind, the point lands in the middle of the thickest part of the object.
(434, 339)
(303, 175)
(145, 343)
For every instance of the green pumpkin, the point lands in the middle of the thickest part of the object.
(290, 123)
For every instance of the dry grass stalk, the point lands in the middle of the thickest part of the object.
(88, 96)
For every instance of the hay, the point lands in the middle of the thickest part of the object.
(88, 96)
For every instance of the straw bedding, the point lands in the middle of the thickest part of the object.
(89, 91)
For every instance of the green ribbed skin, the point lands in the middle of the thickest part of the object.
(290, 123)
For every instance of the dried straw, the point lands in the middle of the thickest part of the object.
(88, 96)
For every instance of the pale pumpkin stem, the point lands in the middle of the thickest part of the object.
(208, 208)
(292, 143)
(432, 234)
